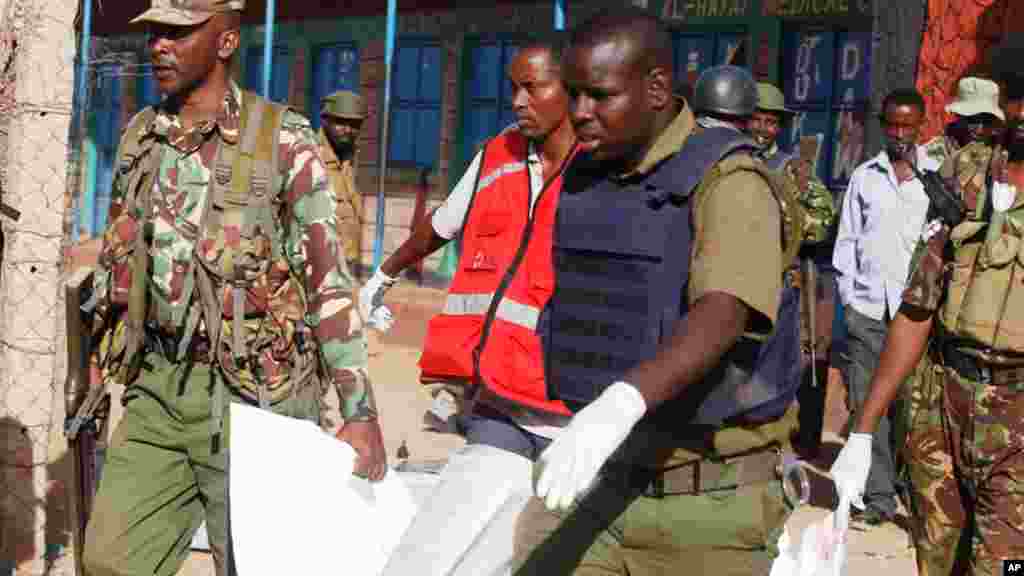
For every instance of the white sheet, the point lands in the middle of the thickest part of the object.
(297, 509)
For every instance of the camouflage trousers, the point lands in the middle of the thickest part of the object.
(965, 460)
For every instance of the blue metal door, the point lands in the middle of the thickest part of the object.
(488, 99)
(279, 72)
(695, 52)
(416, 109)
(336, 67)
(827, 81)
(146, 88)
(106, 134)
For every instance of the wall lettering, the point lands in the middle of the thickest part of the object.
(814, 7)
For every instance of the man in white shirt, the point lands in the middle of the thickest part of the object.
(882, 218)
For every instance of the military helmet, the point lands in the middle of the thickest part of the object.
(343, 104)
(770, 99)
(728, 90)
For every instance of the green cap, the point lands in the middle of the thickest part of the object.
(343, 104)
(770, 99)
(187, 12)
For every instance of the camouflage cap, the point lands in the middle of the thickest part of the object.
(343, 104)
(187, 12)
(770, 99)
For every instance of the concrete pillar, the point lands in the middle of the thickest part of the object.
(32, 536)
(897, 29)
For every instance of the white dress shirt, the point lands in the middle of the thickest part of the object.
(449, 217)
(880, 224)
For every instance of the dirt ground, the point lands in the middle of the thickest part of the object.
(403, 401)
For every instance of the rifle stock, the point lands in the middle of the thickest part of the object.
(80, 395)
(812, 316)
(10, 212)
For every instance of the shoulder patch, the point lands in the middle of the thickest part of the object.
(139, 121)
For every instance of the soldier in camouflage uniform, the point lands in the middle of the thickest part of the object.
(219, 282)
(764, 127)
(342, 114)
(966, 152)
(970, 136)
(819, 212)
(961, 318)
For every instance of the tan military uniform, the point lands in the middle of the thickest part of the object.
(349, 211)
(736, 251)
(345, 105)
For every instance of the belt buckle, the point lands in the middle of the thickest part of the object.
(984, 373)
(655, 488)
(659, 487)
(796, 485)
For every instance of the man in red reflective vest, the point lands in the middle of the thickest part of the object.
(487, 335)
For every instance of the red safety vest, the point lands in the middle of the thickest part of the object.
(511, 356)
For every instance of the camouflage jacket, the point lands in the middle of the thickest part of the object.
(966, 171)
(816, 200)
(307, 233)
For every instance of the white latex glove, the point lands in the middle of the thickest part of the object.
(570, 464)
(1003, 195)
(371, 301)
(850, 470)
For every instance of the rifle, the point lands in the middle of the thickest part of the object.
(11, 213)
(80, 406)
(809, 296)
(942, 202)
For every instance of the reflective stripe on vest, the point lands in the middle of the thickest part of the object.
(500, 172)
(508, 310)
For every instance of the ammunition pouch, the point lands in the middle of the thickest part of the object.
(985, 298)
(978, 370)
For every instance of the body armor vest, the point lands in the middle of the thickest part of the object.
(622, 258)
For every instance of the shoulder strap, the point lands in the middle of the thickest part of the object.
(257, 171)
(792, 218)
(700, 153)
(246, 177)
(476, 188)
(131, 137)
(140, 163)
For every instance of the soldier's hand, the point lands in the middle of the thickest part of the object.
(851, 467)
(368, 442)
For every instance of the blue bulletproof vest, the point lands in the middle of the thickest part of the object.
(622, 257)
(780, 356)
